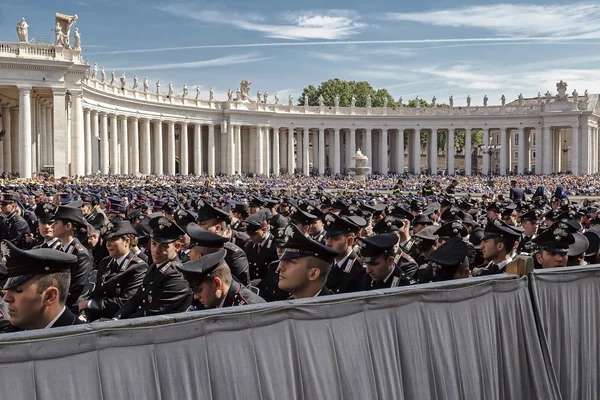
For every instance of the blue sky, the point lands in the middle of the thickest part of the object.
(437, 48)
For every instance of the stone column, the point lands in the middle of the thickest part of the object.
(88, 141)
(95, 164)
(522, 151)
(290, 155)
(315, 153)
(135, 146)
(468, 151)
(416, 150)
(124, 140)
(6, 120)
(450, 152)
(43, 139)
(276, 165)
(267, 147)
(158, 148)
(171, 148)
(575, 162)
(145, 145)
(503, 151)
(299, 151)
(24, 138)
(383, 151)
(14, 142)
(104, 152)
(336, 151)
(486, 157)
(367, 151)
(77, 135)
(211, 150)
(352, 146)
(545, 158)
(305, 152)
(321, 133)
(433, 153)
(260, 144)
(239, 148)
(398, 160)
(197, 149)
(231, 149)
(184, 164)
(114, 145)
(283, 156)
(49, 136)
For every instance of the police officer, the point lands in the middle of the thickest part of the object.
(304, 266)
(14, 227)
(203, 242)
(240, 213)
(163, 290)
(37, 288)
(45, 215)
(347, 271)
(577, 250)
(218, 220)
(553, 245)
(67, 221)
(92, 212)
(530, 224)
(497, 244)
(449, 261)
(378, 254)
(261, 251)
(268, 287)
(212, 284)
(119, 275)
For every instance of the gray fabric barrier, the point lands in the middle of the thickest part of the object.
(474, 339)
(567, 302)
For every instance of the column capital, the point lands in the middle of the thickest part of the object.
(170, 123)
(94, 111)
(24, 88)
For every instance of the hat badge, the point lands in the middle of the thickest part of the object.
(162, 223)
(559, 234)
(201, 203)
(5, 250)
(110, 226)
(288, 233)
(498, 223)
(329, 219)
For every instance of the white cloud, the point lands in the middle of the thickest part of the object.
(575, 20)
(328, 25)
(215, 62)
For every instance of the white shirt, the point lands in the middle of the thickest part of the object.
(121, 259)
(64, 248)
(56, 318)
(343, 260)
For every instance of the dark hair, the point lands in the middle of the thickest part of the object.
(509, 243)
(222, 272)
(60, 280)
(323, 266)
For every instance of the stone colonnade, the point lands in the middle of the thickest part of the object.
(57, 128)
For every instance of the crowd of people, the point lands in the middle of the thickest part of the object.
(90, 249)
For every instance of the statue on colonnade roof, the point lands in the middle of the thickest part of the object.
(23, 31)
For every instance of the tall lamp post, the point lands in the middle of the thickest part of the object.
(565, 150)
(490, 150)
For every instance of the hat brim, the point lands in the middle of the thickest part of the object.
(162, 239)
(122, 232)
(330, 234)
(16, 281)
(289, 255)
(490, 236)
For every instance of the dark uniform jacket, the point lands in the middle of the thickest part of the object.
(240, 239)
(115, 285)
(31, 219)
(260, 256)
(164, 291)
(269, 285)
(516, 194)
(525, 246)
(346, 278)
(66, 319)
(80, 272)
(396, 279)
(14, 228)
(239, 295)
(97, 218)
(238, 263)
(406, 262)
(99, 252)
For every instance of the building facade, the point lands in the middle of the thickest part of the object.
(62, 115)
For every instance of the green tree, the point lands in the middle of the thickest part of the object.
(345, 90)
